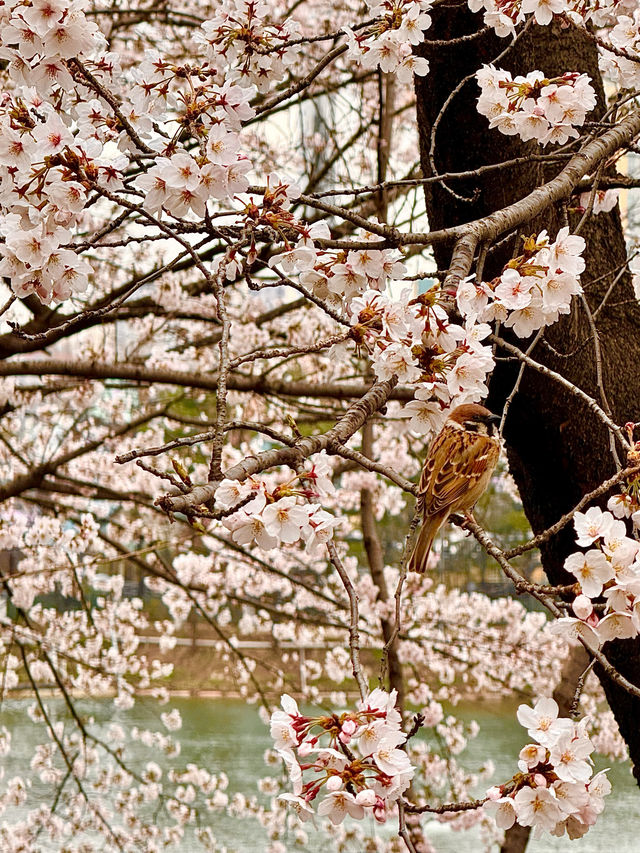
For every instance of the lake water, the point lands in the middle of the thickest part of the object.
(227, 735)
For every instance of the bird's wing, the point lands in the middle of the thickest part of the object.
(455, 464)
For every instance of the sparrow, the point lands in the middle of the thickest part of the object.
(455, 473)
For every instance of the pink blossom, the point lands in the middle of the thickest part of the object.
(231, 492)
(532, 755)
(338, 804)
(620, 505)
(592, 569)
(591, 525)
(285, 520)
(542, 722)
(366, 798)
(543, 10)
(537, 807)
(525, 321)
(616, 626)
(222, 146)
(503, 811)
(571, 797)
(301, 807)
(566, 252)
(514, 291)
(390, 760)
(570, 758)
(247, 529)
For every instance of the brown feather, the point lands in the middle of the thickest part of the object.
(468, 411)
(456, 472)
(428, 532)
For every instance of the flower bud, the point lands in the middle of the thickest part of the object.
(366, 797)
(349, 727)
(582, 607)
(334, 783)
(380, 810)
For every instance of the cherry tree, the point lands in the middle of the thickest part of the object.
(252, 256)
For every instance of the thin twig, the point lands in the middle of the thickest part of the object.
(516, 386)
(594, 650)
(597, 352)
(602, 489)
(403, 832)
(446, 807)
(354, 634)
(573, 710)
(573, 389)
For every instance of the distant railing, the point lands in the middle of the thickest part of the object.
(211, 642)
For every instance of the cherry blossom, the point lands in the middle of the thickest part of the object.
(376, 778)
(592, 570)
(591, 525)
(178, 183)
(542, 721)
(611, 568)
(555, 789)
(534, 107)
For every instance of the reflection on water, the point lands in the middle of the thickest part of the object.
(228, 736)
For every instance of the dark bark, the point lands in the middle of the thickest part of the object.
(557, 448)
(516, 839)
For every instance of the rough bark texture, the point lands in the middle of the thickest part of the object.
(557, 449)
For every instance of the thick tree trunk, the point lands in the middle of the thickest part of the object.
(557, 449)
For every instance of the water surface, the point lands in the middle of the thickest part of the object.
(228, 736)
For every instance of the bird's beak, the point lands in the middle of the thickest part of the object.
(494, 418)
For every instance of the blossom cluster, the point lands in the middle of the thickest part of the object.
(56, 130)
(269, 518)
(609, 569)
(99, 152)
(241, 43)
(624, 71)
(358, 770)
(414, 340)
(339, 278)
(181, 183)
(555, 790)
(388, 44)
(42, 187)
(85, 657)
(37, 39)
(504, 15)
(57, 127)
(188, 182)
(534, 289)
(534, 107)
(186, 95)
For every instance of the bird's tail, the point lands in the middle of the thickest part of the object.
(422, 549)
